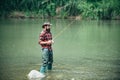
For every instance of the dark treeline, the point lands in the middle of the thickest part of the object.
(90, 9)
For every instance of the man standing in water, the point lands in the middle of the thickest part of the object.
(45, 40)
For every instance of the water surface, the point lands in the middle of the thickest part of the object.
(83, 50)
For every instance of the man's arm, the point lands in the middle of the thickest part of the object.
(46, 42)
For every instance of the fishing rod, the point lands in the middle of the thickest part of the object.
(58, 34)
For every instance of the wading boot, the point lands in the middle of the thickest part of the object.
(49, 66)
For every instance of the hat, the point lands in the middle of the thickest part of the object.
(47, 23)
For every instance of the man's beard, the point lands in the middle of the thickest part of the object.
(48, 30)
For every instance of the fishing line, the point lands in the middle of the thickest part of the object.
(58, 34)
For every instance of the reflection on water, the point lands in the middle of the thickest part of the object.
(83, 50)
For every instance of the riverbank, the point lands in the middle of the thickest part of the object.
(33, 15)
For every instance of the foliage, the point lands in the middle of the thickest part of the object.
(92, 9)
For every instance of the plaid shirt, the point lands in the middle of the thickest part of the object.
(45, 36)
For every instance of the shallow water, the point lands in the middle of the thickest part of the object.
(83, 50)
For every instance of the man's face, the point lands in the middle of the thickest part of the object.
(48, 28)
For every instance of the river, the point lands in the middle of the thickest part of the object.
(83, 50)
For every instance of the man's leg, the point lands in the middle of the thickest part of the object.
(44, 60)
(50, 61)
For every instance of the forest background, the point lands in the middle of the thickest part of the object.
(77, 9)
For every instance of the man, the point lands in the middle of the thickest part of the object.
(45, 40)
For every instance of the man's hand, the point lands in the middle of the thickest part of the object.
(46, 42)
(50, 42)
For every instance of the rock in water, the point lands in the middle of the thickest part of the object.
(72, 79)
(35, 75)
